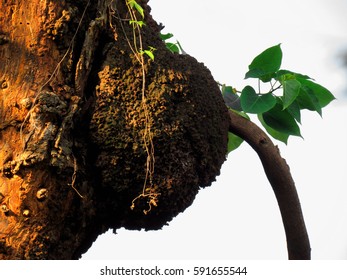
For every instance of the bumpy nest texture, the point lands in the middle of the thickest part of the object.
(187, 121)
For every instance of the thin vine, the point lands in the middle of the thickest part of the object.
(136, 46)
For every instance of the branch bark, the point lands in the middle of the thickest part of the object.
(279, 176)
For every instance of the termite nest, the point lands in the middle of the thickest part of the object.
(188, 123)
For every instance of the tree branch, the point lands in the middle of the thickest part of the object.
(278, 174)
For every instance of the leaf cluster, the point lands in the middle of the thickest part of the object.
(137, 25)
(133, 5)
(173, 47)
(279, 108)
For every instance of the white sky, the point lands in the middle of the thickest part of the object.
(238, 217)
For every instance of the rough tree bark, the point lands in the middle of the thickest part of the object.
(278, 174)
(88, 141)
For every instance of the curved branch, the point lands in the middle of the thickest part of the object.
(278, 174)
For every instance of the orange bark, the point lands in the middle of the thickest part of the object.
(72, 159)
(75, 111)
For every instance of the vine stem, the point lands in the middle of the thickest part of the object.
(137, 50)
(147, 137)
(279, 176)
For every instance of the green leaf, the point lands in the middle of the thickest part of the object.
(149, 53)
(265, 64)
(165, 37)
(283, 137)
(180, 47)
(234, 142)
(133, 4)
(283, 75)
(227, 90)
(294, 110)
(172, 47)
(308, 100)
(137, 22)
(281, 121)
(231, 98)
(251, 102)
(258, 73)
(291, 90)
(323, 95)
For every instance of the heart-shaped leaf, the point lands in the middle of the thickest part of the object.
(265, 64)
(281, 121)
(251, 102)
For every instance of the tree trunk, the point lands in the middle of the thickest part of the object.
(93, 133)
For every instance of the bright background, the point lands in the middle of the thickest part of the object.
(238, 217)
